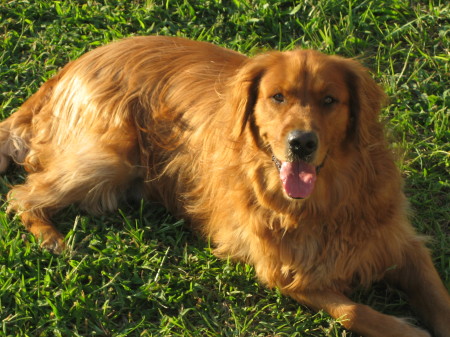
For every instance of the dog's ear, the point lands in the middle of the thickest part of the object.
(243, 90)
(366, 100)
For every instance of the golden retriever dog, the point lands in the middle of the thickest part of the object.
(279, 159)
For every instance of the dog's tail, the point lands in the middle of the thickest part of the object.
(16, 131)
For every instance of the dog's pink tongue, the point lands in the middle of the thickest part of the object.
(298, 178)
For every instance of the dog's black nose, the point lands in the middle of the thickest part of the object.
(302, 144)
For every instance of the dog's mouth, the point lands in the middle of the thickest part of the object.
(298, 177)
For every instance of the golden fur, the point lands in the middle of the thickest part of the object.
(202, 129)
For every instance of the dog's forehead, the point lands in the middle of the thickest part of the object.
(305, 68)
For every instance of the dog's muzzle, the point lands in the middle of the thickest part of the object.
(297, 174)
(278, 164)
(301, 145)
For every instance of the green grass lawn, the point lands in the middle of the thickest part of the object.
(140, 272)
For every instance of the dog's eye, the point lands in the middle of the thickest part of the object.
(279, 98)
(328, 100)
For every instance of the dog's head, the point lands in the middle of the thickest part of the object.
(301, 107)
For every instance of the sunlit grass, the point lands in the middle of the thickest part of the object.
(140, 272)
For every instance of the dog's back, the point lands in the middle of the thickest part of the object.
(105, 88)
(96, 127)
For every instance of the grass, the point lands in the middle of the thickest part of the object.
(140, 272)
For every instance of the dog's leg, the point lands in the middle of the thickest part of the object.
(426, 292)
(44, 231)
(34, 201)
(357, 317)
(95, 179)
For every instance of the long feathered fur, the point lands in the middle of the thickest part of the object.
(186, 123)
